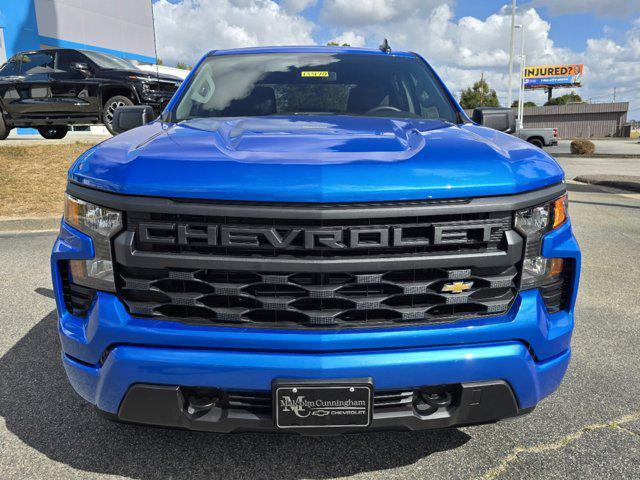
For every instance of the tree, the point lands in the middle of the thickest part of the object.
(159, 61)
(480, 95)
(183, 66)
(526, 104)
(333, 43)
(572, 97)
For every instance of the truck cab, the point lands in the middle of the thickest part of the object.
(314, 240)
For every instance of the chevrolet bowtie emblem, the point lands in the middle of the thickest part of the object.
(457, 287)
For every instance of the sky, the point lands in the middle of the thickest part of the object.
(462, 39)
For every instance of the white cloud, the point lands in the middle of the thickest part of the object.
(605, 8)
(367, 12)
(460, 49)
(297, 6)
(350, 38)
(187, 30)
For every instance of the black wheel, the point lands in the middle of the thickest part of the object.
(537, 142)
(53, 132)
(4, 129)
(110, 107)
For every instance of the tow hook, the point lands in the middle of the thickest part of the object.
(436, 400)
(201, 403)
(430, 400)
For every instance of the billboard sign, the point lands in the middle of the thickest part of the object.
(553, 76)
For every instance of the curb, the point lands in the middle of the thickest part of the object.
(596, 155)
(622, 182)
(29, 224)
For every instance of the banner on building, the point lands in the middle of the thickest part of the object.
(553, 76)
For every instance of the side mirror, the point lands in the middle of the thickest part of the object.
(498, 118)
(79, 66)
(127, 118)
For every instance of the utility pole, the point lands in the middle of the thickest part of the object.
(511, 42)
(614, 94)
(520, 123)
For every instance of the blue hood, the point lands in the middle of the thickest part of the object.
(315, 159)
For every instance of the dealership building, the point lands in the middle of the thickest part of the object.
(120, 27)
(579, 120)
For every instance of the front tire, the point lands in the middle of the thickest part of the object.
(4, 129)
(53, 132)
(110, 107)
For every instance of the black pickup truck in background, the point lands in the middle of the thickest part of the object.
(52, 89)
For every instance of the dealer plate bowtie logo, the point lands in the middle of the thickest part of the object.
(457, 287)
(303, 408)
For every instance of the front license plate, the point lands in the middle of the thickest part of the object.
(324, 405)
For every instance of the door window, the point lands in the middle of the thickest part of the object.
(38, 63)
(65, 59)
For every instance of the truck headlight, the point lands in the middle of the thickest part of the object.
(534, 223)
(100, 224)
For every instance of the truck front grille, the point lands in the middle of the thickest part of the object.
(344, 267)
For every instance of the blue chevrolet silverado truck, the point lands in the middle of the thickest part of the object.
(314, 240)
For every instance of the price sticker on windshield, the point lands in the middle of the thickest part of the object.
(315, 74)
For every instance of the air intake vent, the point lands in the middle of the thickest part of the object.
(77, 298)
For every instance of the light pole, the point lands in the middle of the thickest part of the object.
(520, 123)
(511, 42)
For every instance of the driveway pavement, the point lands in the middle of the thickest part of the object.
(612, 146)
(574, 166)
(589, 428)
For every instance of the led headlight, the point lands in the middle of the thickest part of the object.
(534, 223)
(100, 224)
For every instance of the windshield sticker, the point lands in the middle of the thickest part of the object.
(317, 74)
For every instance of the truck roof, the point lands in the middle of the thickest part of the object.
(309, 49)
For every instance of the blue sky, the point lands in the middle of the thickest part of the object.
(463, 39)
(565, 31)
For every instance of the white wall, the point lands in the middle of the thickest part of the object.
(123, 25)
(3, 50)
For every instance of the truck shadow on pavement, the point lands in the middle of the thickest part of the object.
(42, 410)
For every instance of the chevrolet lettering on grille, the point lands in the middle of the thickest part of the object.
(309, 238)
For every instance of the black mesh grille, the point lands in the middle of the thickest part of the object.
(77, 298)
(556, 293)
(317, 299)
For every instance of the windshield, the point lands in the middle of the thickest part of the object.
(314, 84)
(104, 60)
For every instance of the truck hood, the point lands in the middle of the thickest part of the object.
(315, 159)
(152, 76)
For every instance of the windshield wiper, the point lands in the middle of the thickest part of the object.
(315, 113)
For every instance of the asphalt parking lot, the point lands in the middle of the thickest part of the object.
(590, 428)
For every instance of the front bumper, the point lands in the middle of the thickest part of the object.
(109, 351)
(168, 405)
